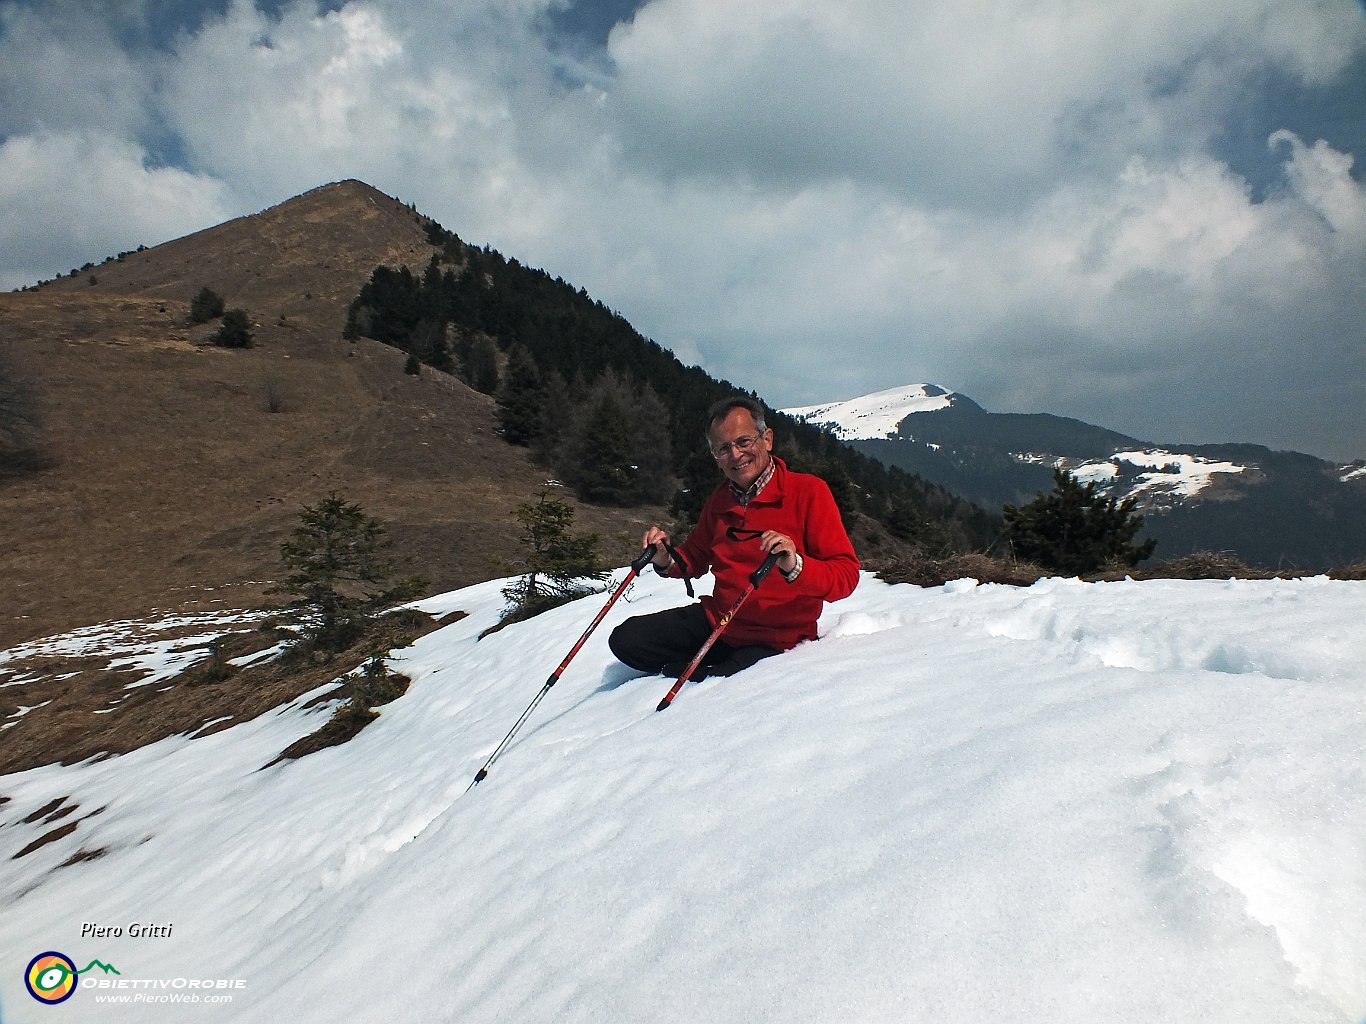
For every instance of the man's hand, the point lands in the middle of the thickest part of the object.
(781, 544)
(654, 535)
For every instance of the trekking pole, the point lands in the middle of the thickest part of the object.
(636, 567)
(755, 578)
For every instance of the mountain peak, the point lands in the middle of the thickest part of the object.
(876, 416)
(303, 259)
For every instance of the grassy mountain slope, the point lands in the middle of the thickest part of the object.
(173, 477)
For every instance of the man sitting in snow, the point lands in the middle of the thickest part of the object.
(762, 507)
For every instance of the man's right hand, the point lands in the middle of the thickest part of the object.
(654, 535)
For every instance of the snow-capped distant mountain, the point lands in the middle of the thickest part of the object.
(875, 416)
(1156, 478)
(1276, 509)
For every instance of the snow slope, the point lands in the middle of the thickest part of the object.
(875, 416)
(1171, 474)
(1123, 802)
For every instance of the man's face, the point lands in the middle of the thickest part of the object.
(741, 467)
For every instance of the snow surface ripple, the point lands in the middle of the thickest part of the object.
(1104, 802)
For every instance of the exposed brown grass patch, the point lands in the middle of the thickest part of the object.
(49, 837)
(339, 729)
(198, 702)
(353, 715)
(1201, 565)
(48, 808)
(924, 571)
(81, 856)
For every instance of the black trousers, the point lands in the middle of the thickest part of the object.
(664, 642)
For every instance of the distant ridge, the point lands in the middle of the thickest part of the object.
(1277, 510)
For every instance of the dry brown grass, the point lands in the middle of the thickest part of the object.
(924, 571)
(1201, 565)
(1349, 572)
(359, 697)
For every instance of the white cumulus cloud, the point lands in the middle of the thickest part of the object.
(84, 197)
(1025, 201)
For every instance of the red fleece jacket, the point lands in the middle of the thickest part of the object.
(778, 614)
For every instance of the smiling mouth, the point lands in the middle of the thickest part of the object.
(740, 470)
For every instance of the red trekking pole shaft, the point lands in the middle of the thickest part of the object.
(636, 567)
(755, 578)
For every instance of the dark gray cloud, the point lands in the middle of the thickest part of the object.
(1151, 217)
(1276, 101)
(590, 22)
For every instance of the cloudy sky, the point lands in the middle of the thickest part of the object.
(1148, 215)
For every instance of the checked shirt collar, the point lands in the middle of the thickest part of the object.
(746, 495)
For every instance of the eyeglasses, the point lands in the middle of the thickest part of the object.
(740, 444)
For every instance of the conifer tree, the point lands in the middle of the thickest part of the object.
(1074, 530)
(606, 472)
(205, 306)
(558, 562)
(339, 569)
(352, 329)
(903, 519)
(481, 365)
(235, 330)
(519, 398)
(651, 446)
(427, 341)
(842, 487)
(698, 477)
(556, 414)
(616, 448)
(483, 295)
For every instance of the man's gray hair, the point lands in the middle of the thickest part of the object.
(720, 410)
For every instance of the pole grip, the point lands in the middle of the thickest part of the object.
(765, 567)
(646, 557)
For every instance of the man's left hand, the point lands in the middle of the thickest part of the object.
(772, 541)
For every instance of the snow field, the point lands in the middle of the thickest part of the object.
(1191, 475)
(1101, 802)
(875, 416)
